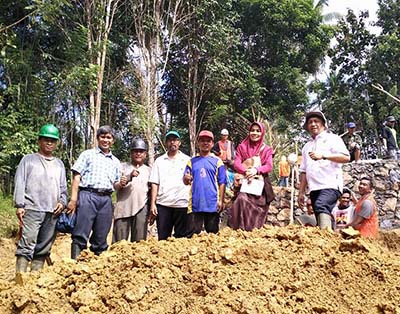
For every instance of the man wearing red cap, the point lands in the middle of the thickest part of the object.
(321, 169)
(207, 176)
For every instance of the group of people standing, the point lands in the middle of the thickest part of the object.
(183, 195)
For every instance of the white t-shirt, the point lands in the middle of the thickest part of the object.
(168, 174)
(342, 217)
(323, 174)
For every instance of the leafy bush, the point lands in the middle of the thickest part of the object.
(8, 220)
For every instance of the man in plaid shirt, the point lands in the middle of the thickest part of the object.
(96, 174)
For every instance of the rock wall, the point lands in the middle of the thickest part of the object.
(386, 175)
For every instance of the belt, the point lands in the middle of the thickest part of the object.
(102, 192)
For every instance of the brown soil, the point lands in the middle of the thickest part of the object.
(272, 270)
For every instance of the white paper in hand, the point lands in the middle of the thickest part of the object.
(255, 187)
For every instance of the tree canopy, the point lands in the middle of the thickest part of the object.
(146, 67)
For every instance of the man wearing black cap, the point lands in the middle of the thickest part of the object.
(389, 137)
(169, 196)
(353, 142)
(320, 168)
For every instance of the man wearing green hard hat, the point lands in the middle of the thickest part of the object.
(40, 195)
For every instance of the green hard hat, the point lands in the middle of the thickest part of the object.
(49, 130)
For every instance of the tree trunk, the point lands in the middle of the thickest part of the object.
(97, 45)
(151, 54)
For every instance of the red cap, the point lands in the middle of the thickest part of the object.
(206, 133)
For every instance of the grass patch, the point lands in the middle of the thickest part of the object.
(8, 220)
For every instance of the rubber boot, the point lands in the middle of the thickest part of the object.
(22, 264)
(75, 251)
(38, 263)
(325, 221)
(21, 267)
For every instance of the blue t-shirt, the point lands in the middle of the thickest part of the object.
(208, 173)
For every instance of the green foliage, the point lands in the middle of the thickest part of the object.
(344, 97)
(8, 220)
(16, 143)
(229, 60)
(204, 66)
(284, 42)
(360, 59)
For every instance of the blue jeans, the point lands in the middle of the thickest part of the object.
(283, 181)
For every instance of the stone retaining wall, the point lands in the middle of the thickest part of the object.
(386, 175)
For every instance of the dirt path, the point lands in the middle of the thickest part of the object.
(60, 250)
(271, 270)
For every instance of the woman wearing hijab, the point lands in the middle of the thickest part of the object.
(253, 162)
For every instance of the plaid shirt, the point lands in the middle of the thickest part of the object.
(98, 170)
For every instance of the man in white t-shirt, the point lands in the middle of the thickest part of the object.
(343, 212)
(169, 196)
(321, 168)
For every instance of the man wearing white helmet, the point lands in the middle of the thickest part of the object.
(225, 149)
(321, 169)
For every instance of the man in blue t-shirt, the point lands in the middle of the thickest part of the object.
(207, 176)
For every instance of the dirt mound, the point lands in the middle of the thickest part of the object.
(271, 270)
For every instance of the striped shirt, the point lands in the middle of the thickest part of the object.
(97, 169)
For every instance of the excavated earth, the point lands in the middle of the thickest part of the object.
(271, 270)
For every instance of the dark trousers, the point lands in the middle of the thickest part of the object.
(323, 201)
(38, 234)
(136, 226)
(94, 214)
(169, 218)
(209, 220)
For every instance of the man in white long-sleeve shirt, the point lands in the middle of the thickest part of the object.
(40, 195)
